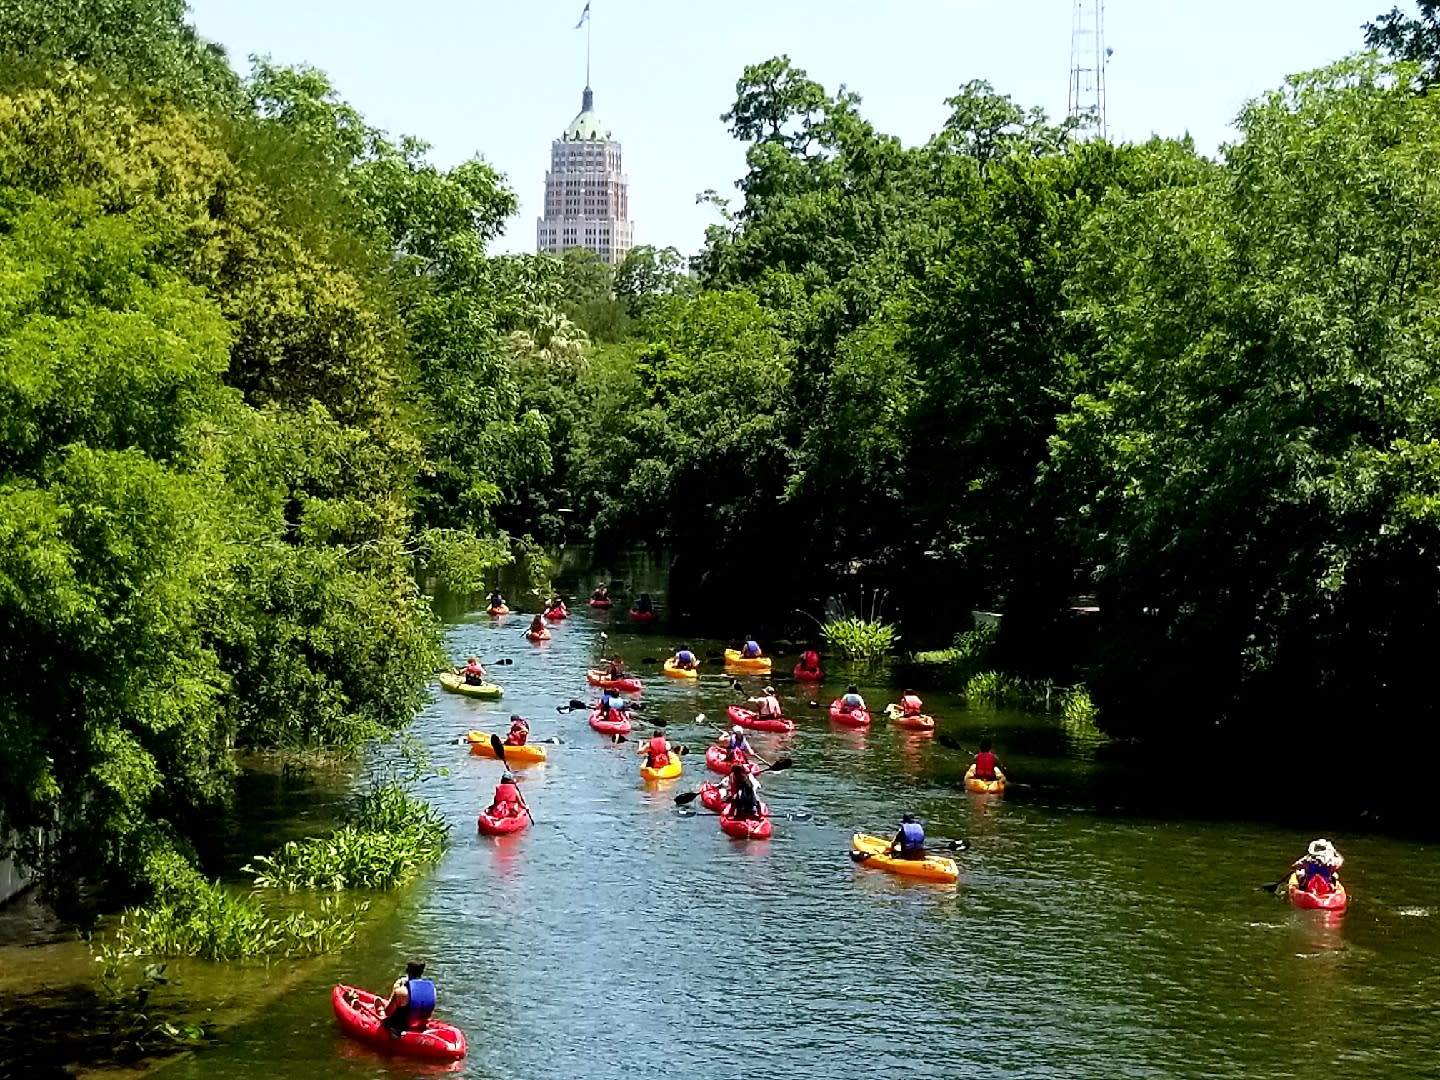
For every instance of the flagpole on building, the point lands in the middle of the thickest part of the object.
(588, 22)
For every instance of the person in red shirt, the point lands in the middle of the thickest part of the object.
(657, 751)
(508, 800)
(987, 765)
(519, 731)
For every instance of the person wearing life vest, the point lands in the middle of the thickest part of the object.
(508, 801)
(538, 630)
(909, 842)
(1318, 867)
(910, 704)
(851, 700)
(737, 746)
(744, 800)
(555, 605)
(611, 701)
(496, 599)
(987, 765)
(750, 650)
(767, 705)
(810, 660)
(643, 604)
(411, 1001)
(685, 659)
(473, 671)
(602, 592)
(614, 668)
(519, 731)
(657, 751)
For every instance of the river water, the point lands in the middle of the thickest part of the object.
(1089, 936)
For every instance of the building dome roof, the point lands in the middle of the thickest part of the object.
(586, 125)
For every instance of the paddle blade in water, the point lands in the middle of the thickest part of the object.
(685, 798)
(780, 763)
(497, 746)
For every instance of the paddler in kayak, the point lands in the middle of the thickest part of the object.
(411, 1001)
(611, 701)
(810, 662)
(751, 649)
(473, 671)
(602, 592)
(497, 600)
(1318, 867)
(911, 705)
(744, 797)
(767, 705)
(684, 659)
(508, 801)
(909, 842)
(555, 605)
(538, 630)
(737, 746)
(987, 765)
(614, 668)
(657, 751)
(643, 604)
(851, 699)
(519, 731)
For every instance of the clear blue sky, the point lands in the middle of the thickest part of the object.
(502, 78)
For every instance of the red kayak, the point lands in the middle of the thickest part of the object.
(808, 674)
(607, 602)
(748, 719)
(716, 763)
(610, 727)
(919, 722)
(355, 1009)
(641, 616)
(501, 826)
(625, 683)
(711, 797)
(557, 613)
(747, 828)
(858, 718)
(1336, 899)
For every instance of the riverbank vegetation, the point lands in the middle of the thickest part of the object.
(255, 362)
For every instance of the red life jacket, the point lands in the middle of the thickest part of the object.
(985, 765)
(518, 734)
(810, 661)
(911, 705)
(506, 795)
(659, 752)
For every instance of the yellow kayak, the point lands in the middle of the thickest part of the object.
(665, 772)
(877, 852)
(984, 787)
(757, 663)
(680, 672)
(457, 685)
(521, 755)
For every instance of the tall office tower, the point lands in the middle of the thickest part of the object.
(587, 200)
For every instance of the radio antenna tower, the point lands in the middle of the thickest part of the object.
(1087, 65)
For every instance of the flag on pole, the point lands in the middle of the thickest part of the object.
(583, 15)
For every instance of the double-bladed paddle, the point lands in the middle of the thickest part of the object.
(685, 798)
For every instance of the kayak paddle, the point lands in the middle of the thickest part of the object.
(685, 798)
(499, 748)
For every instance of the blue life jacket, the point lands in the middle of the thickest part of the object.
(751, 649)
(852, 701)
(685, 656)
(422, 999)
(912, 836)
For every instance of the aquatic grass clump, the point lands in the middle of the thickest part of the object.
(389, 838)
(971, 651)
(859, 639)
(214, 922)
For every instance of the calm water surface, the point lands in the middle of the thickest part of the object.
(621, 938)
